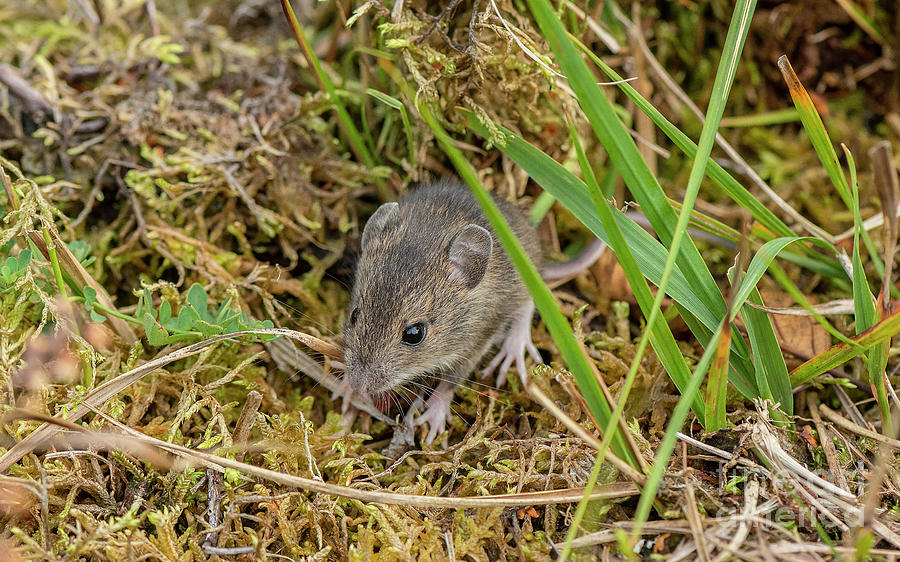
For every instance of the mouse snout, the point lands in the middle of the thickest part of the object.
(358, 381)
(363, 379)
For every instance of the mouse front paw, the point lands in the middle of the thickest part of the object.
(515, 343)
(437, 410)
(345, 393)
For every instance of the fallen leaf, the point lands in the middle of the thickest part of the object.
(807, 434)
(660, 543)
(800, 335)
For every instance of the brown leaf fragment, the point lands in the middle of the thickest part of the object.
(798, 334)
(807, 434)
(885, 178)
(660, 545)
(530, 511)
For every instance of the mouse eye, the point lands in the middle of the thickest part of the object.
(354, 316)
(414, 334)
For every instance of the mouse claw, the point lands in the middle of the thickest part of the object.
(345, 393)
(515, 344)
(437, 410)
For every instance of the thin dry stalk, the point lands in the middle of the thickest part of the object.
(549, 497)
(583, 434)
(693, 517)
(107, 390)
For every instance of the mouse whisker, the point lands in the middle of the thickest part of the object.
(301, 318)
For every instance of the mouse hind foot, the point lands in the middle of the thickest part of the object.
(515, 343)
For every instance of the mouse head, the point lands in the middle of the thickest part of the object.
(411, 308)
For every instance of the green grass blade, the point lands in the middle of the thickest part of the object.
(764, 260)
(541, 207)
(863, 302)
(821, 142)
(765, 119)
(862, 20)
(556, 323)
(572, 193)
(772, 377)
(624, 154)
(864, 309)
(716, 173)
(398, 105)
(765, 256)
(818, 136)
(842, 352)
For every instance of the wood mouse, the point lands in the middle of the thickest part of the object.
(434, 291)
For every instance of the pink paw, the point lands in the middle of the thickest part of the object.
(516, 342)
(345, 393)
(436, 418)
(437, 410)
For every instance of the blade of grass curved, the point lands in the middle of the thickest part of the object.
(864, 309)
(821, 142)
(624, 154)
(842, 352)
(661, 337)
(765, 255)
(764, 260)
(627, 160)
(573, 194)
(556, 323)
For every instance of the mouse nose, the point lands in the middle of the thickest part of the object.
(359, 379)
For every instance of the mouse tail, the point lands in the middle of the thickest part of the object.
(587, 257)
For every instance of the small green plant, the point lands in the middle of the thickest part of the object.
(90, 303)
(82, 252)
(14, 268)
(193, 321)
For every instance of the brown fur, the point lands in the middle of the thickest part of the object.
(403, 277)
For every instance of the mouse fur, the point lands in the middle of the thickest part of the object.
(433, 259)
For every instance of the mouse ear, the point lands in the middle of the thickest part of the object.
(469, 253)
(375, 225)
